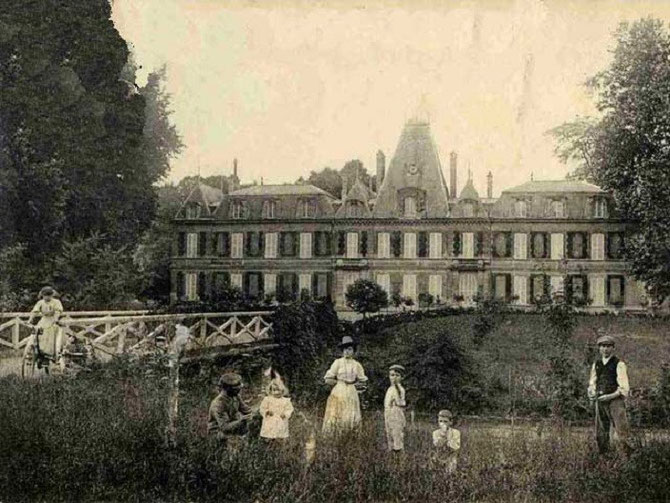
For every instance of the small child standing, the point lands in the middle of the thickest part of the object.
(275, 409)
(394, 410)
(447, 441)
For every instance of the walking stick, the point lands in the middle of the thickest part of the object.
(595, 423)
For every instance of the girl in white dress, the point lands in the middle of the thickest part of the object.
(346, 375)
(394, 410)
(275, 409)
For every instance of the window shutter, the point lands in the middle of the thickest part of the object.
(479, 244)
(247, 244)
(261, 244)
(327, 240)
(180, 285)
(296, 243)
(445, 243)
(294, 285)
(423, 246)
(181, 244)
(202, 285)
(509, 237)
(569, 246)
(545, 254)
(226, 244)
(396, 240)
(315, 283)
(372, 242)
(341, 243)
(592, 207)
(202, 244)
(586, 249)
(508, 286)
(213, 240)
(458, 244)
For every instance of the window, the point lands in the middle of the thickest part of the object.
(538, 242)
(305, 245)
(192, 244)
(352, 244)
(501, 244)
(383, 245)
(521, 289)
(600, 208)
(270, 284)
(558, 209)
(253, 285)
(269, 208)
(305, 282)
(409, 245)
(254, 242)
(191, 286)
(556, 285)
(435, 245)
(237, 241)
(577, 288)
(321, 285)
(435, 286)
(614, 245)
(538, 286)
(409, 286)
(192, 210)
(271, 245)
(237, 210)
(468, 210)
(236, 280)
(500, 286)
(520, 246)
(520, 208)
(598, 246)
(288, 244)
(615, 290)
(322, 243)
(468, 286)
(468, 245)
(410, 207)
(577, 245)
(597, 293)
(384, 281)
(306, 208)
(557, 246)
(349, 279)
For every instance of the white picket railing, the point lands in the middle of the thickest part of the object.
(118, 332)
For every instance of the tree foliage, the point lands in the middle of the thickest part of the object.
(365, 296)
(626, 149)
(333, 181)
(81, 146)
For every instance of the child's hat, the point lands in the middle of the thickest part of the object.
(347, 341)
(47, 290)
(397, 368)
(445, 414)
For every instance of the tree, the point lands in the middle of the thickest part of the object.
(626, 149)
(327, 179)
(354, 169)
(365, 296)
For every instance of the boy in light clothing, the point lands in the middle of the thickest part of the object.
(447, 442)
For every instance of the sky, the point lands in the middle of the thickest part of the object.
(288, 88)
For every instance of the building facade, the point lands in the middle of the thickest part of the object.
(415, 236)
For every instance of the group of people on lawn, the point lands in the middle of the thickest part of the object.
(229, 415)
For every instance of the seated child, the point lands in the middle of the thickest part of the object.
(275, 409)
(447, 442)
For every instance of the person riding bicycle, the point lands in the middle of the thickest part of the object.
(50, 335)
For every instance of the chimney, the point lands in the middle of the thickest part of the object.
(381, 168)
(235, 167)
(453, 174)
(489, 185)
(234, 180)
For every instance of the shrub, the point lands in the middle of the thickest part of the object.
(365, 296)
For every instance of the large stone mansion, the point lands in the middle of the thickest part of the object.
(415, 235)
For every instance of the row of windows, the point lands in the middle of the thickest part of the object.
(409, 245)
(306, 208)
(558, 209)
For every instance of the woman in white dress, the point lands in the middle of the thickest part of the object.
(346, 375)
(49, 309)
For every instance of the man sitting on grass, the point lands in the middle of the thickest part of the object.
(229, 416)
(608, 386)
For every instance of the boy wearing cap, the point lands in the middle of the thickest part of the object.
(228, 414)
(447, 441)
(608, 386)
(394, 410)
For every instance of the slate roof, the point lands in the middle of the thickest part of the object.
(282, 190)
(469, 192)
(555, 186)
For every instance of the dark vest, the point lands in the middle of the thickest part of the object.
(606, 382)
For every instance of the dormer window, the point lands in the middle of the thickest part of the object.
(237, 210)
(558, 209)
(355, 208)
(192, 210)
(410, 207)
(468, 210)
(269, 209)
(520, 208)
(600, 208)
(306, 208)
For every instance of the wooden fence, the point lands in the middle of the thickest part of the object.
(118, 332)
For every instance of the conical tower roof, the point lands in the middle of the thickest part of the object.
(415, 165)
(469, 192)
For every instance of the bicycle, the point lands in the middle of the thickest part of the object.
(35, 358)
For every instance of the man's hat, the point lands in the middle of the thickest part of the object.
(605, 340)
(445, 414)
(230, 379)
(347, 342)
(397, 368)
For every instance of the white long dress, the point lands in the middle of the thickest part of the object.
(49, 312)
(343, 408)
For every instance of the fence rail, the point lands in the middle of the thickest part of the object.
(118, 332)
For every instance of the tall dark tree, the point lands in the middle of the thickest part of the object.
(626, 149)
(327, 179)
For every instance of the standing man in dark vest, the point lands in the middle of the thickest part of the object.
(608, 386)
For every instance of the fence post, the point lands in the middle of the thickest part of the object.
(121, 341)
(16, 332)
(203, 328)
(173, 391)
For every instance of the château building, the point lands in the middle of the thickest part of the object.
(415, 235)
